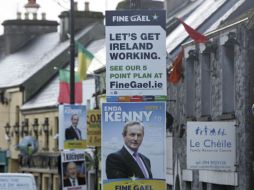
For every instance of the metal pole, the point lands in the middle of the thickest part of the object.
(72, 55)
(96, 163)
(135, 4)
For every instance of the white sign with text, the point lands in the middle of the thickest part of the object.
(211, 145)
(136, 53)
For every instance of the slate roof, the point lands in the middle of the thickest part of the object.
(47, 97)
(205, 17)
(17, 67)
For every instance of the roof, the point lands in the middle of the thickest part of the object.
(48, 96)
(99, 50)
(205, 16)
(16, 68)
(195, 19)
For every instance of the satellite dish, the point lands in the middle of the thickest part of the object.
(6, 137)
(28, 145)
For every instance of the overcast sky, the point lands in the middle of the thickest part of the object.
(52, 8)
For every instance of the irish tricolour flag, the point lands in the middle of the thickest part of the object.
(64, 91)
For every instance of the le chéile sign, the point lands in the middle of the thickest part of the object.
(211, 145)
(136, 53)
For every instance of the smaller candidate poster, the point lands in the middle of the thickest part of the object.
(133, 146)
(73, 170)
(211, 145)
(94, 128)
(72, 127)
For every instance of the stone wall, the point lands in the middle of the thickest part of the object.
(230, 69)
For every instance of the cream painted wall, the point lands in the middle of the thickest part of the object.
(4, 118)
(8, 115)
(15, 100)
(52, 116)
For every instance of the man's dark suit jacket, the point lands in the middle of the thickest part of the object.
(70, 134)
(121, 164)
(81, 181)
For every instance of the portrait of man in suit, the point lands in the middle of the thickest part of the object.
(73, 132)
(128, 161)
(72, 178)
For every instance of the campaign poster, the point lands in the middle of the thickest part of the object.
(94, 128)
(136, 53)
(72, 127)
(73, 170)
(133, 146)
(211, 145)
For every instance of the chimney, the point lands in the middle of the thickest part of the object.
(43, 16)
(82, 19)
(34, 16)
(86, 6)
(26, 16)
(32, 6)
(75, 6)
(19, 32)
(18, 15)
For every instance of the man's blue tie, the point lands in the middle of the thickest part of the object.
(138, 160)
(78, 134)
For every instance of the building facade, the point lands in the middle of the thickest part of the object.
(217, 85)
(29, 87)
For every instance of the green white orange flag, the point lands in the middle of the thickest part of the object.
(84, 59)
(64, 88)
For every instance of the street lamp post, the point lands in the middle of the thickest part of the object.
(135, 4)
(72, 54)
(7, 129)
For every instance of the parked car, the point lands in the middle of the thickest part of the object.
(17, 181)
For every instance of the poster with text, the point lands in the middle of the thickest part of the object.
(94, 128)
(72, 127)
(136, 53)
(211, 145)
(133, 145)
(73, 170)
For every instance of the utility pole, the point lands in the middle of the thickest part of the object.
(72, 55)
(135, 4)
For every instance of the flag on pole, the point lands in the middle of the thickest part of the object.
(176, 72)
(84, 59)
(195, 35)
(64, 88)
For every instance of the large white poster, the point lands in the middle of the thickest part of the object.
(211, 145)
(136, 53)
